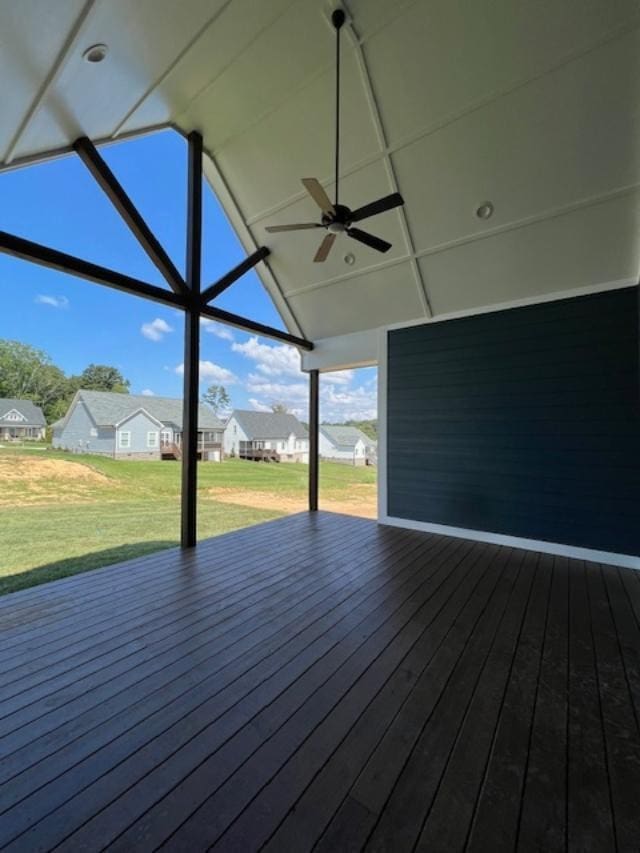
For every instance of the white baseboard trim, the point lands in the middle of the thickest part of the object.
(626, 561)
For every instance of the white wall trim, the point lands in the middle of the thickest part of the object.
(539, 299)
(624, 560)
(627, 561)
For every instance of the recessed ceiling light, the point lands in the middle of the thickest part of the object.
(485, 211)
(95, 53)
(350, 259)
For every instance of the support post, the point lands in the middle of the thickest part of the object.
(192, 345)
(314, 420)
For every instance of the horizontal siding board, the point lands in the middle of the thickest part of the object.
(524, 422)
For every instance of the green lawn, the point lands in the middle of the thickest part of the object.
(54, 524)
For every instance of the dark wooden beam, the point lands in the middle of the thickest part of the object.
(233, 275)
(192, 345)
(252, 326)
(44, 256)
(314, 427)
(109, 184)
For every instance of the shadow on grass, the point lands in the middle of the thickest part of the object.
(82, 563)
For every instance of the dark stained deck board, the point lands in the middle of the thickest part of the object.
(86, 645)
(588, 793)
(619, 721)
(494, 825)
(321, 682)
(336, 775)
(138, 697)
(276, 696)
(120, 720)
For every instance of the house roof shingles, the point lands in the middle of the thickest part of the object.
(269, 424)
(32, 413)
(108, 409)
(345, 436)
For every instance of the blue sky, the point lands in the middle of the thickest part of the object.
(76, 322)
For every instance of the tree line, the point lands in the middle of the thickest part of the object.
(28, 373)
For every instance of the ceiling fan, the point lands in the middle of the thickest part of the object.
(338, 218)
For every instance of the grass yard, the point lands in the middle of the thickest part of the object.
(62, 514)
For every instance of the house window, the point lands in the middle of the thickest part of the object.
(165, 436)
(14, 416)
(152, 439)
(124, 440)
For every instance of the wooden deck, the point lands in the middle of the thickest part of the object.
(320, 682)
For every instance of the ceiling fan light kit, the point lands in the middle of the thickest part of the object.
(338, 218)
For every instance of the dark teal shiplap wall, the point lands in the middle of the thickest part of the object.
(523, 422)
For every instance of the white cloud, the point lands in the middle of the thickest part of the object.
(339, 401)
(209, 370)
(156, 329)
(338, 377)
(217, 329)
(277, 360)
(53, 301)
(148, 393)
(258, 406)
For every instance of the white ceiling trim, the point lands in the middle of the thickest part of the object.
(227, 200)
(387, 150)
(523, 82)
(474, 238)
(453, 117)
(170, 68)
(204, 89)
(61, 60)
(339, 279)
(553, 213)
(391, 175)
(523, 302)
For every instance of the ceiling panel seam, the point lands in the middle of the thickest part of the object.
(264, 271)
(554, 213)
(565, 210)
(390, 149)
(326, 180)
(169, 69)
(478, 104)
(209, 83)
(376, 118)
(59, 63)
(66, 150)
(346, 277)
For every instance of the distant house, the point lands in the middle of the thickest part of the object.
(348, 444)
(268, 436)
(126, 426)
(21, 419)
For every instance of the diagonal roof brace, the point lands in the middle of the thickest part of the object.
(116, 194)
(233, 275)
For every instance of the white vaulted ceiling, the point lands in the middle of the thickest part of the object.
(532, 105)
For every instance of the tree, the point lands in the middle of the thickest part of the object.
(27, 373)
(279, 409)
(101, 377)
(217, 397)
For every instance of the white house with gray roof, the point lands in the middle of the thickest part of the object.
(266, 436)
(127, 426)
(348, 444)
(21, 419)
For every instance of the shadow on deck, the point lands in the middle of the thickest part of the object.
(323, 682)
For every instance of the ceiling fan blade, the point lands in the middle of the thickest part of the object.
(301, 226)
(369, 239)
(325, 248)
(386, 203)
(317, 193)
